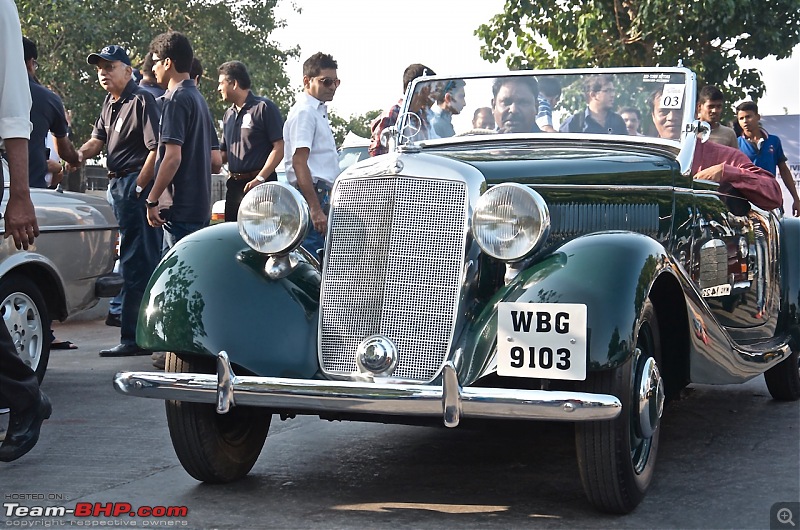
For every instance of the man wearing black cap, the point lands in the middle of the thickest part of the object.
(128, 127)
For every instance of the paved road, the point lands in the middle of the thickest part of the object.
(727, 454)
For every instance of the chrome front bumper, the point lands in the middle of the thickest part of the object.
(450, 401)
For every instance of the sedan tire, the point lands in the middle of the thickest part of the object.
(27, 319)
(211, 447)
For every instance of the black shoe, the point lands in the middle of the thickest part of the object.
(23, 429)
(124, 350)
(113, 319)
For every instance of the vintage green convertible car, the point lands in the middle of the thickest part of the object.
(500, 273)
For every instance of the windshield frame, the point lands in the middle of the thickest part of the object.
(406, 121)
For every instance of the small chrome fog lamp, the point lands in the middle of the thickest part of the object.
(510, 221)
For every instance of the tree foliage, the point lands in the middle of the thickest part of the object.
(66, 31)
(359, 124)
(707, 36)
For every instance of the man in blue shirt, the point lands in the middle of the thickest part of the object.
(763, 149)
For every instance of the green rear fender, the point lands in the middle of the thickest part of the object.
(610, 272)
(210, 293)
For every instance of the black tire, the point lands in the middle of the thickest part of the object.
(211, 447)
(783, 379)
(27, 319)
(616, 458)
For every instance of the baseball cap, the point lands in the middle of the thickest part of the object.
(110, 53)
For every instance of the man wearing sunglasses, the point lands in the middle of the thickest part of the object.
(311, 160)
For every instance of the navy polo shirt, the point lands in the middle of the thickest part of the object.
(47, 115)
(186, 121)
(249, 134)
(129, 127)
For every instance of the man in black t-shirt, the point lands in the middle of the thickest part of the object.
(186, 138)
(252, 136)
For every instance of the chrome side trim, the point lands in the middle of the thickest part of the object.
(450, 401)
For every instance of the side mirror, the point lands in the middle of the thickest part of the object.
(697, 129)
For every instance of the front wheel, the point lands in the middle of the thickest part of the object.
(783, 379)
(211, 447)
(617, 458)
(25, 315)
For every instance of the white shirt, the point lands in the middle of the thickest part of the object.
(15, 94)
(307, 126)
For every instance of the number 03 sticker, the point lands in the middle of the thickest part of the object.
(672, 97)
(541, 340)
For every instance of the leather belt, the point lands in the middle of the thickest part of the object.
(122, 172)
(249, 175)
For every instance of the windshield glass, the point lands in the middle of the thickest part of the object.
(656, 103)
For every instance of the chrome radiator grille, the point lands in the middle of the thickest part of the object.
(393, 268)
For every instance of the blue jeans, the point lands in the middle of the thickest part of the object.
(174, 231)
(115, 305)
(315, 241)
(139, 249)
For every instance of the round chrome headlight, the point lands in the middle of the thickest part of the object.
(510, 221)
(273, 218)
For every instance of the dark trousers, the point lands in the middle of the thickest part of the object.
(140, 249)
(19, 388)
(234, 193)
(174, 231)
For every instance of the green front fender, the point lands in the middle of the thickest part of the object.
(611, 273)
(210, 293)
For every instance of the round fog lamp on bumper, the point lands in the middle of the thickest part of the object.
(510, 221)
(273, 218)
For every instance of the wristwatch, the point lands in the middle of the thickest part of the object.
(151, 204)
(139, 189)
(260, 178)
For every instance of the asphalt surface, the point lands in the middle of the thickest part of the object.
(727, 455)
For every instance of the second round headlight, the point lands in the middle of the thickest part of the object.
(510, 221)
(273, 218)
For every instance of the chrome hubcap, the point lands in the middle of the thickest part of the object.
(650, 397)
(24, 323)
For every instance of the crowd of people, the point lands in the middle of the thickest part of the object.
(524, 104)
(162, 148)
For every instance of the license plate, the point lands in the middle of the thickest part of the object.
(541, 340)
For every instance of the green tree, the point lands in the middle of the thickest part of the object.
(66, 31)
(358, 123)
(708, 36)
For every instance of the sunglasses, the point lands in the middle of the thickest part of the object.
(327, 82)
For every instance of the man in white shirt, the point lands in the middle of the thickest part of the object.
(311, 160)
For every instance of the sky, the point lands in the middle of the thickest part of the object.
(373, 41)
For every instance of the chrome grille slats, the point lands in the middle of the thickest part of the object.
(393, 267)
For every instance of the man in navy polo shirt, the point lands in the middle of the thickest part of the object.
(252, 136)
(187, 136)
(764, 150)
(128, 127)
(47, 115)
